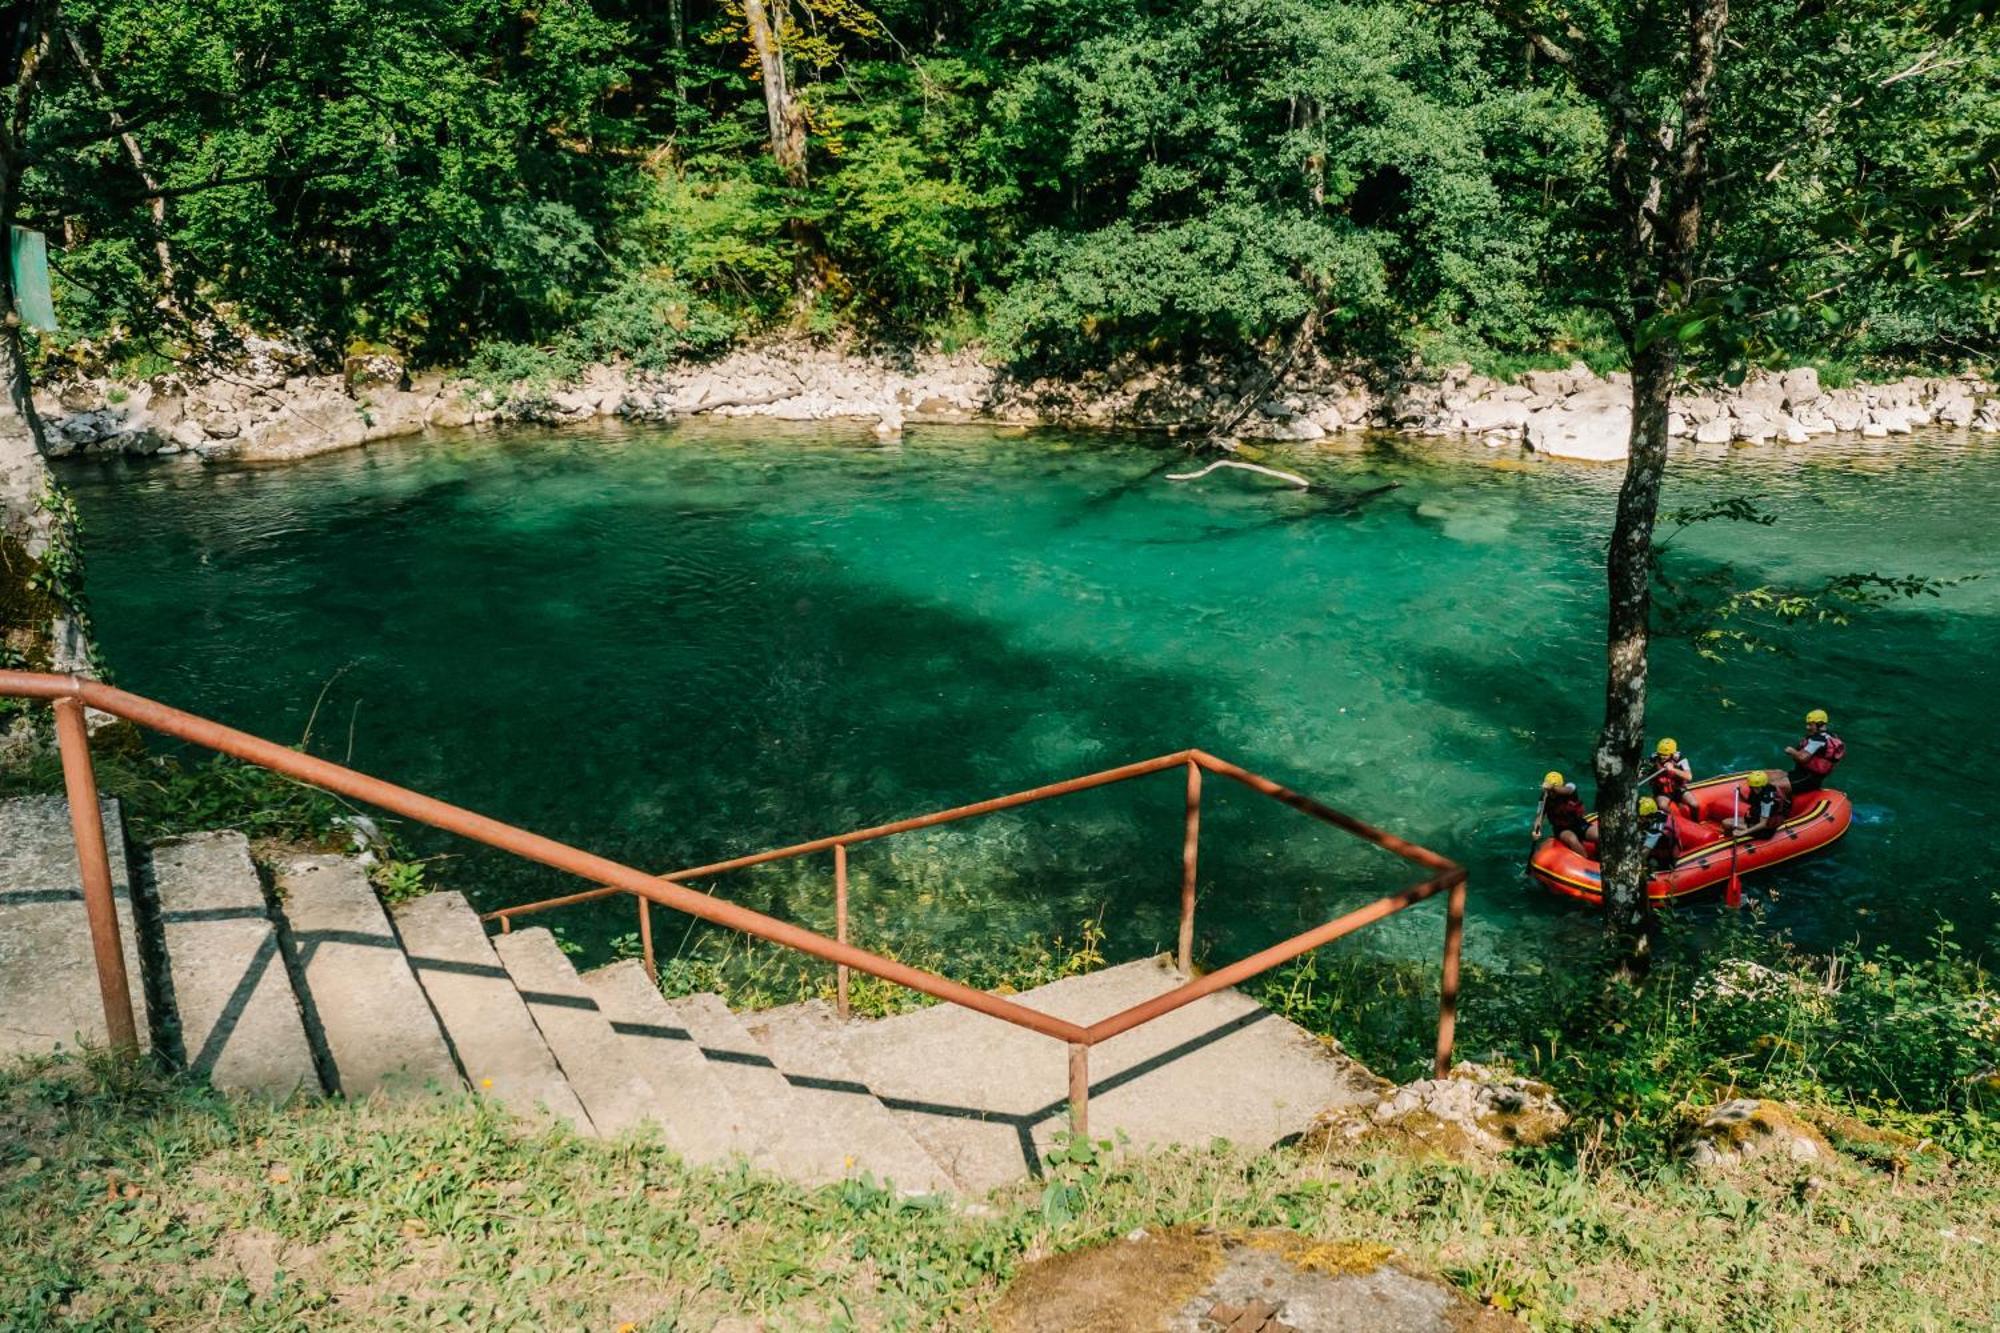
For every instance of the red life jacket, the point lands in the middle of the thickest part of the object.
(1565, 811)
(1830, 754)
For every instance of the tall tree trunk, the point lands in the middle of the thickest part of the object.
(787, 125)
(781, 111)
(1664, 241)
(677, 29)
(162, 247)
(1629, 582)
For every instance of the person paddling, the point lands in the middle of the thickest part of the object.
(1659, 833)
(1816, 755)
(1563, 809)
(1671, 775)
(1763, 805)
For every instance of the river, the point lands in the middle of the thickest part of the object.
(675, 644)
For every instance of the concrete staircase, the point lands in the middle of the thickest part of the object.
(314, 988)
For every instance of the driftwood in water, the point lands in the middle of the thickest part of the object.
(1291, 478)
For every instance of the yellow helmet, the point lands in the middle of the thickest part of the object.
(1552, 779)
(1758, 777)
(1648, 806)
(1816, 715)
(1667, 746)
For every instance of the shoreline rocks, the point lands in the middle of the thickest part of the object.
(273, 408)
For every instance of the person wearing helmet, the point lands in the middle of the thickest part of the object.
(1563, 809)
(1815, 756)
(1671, 775)
(1761, 805)
(1659, 832)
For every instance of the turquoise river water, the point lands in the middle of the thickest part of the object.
(672, 645)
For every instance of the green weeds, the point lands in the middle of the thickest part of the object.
(129, 1199)
(1911, 1044)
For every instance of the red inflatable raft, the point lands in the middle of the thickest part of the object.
(1708, 854)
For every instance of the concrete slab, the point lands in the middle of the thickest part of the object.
(694, 1111)
(239, 1020)
(986, 1097)
(48, 972)
(577, 1032)
(355, 986)
(805, 1041)
(788, 1141)
(491, 1034)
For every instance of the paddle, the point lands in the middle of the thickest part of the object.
(1733, 895)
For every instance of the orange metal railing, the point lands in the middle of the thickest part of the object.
(71, 695)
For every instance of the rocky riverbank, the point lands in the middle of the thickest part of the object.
(273, 407)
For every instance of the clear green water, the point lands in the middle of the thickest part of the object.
(675, 645)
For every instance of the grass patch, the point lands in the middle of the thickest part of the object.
(129, 1199)
(1912, 1045)
(165, 796)
(752, 974)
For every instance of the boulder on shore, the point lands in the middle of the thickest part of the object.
(1470, 1113)
(1596, 431)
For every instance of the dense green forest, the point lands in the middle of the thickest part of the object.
(1062, 180)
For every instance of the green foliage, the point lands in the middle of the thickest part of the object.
(1914, 1044)
(166, 797)
(399, 881)
(565, 182)
(58, 574)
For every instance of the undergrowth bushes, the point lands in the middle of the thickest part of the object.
(1738, 1011)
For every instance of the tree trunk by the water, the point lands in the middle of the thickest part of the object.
(1629, 584)
(1663, 184)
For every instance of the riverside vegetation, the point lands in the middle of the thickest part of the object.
(529, 189)
(134, 1197)
(128, 1198)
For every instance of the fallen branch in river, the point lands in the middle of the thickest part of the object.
(1291, 477)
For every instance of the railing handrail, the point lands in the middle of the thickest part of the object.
(505, 837)
(71, 693)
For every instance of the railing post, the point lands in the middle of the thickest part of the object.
(840, 924)
(93, 863)
(1190, 843)
(646, 939)
(1079, 1089)
(1454, 931)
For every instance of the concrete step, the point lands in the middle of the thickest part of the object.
(694, 1111)
(228, 988)
(805, 1041)
(49, 998)
(789, 1142)
(987, 1097)
(492, 1036)
(592, 1056)
(355, 986)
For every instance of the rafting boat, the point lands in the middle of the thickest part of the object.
(1708, 854)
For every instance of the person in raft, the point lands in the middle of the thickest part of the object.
(1761, 806)
(1564, 811)
(1657, 831)
(1671, 775)
(1816, 755)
